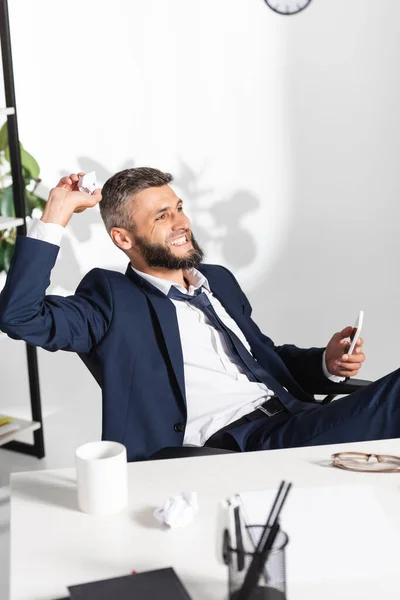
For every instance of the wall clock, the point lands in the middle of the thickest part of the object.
(287, 7)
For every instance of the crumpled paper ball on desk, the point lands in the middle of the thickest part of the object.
(178, 511)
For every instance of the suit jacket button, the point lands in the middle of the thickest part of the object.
(179, 427)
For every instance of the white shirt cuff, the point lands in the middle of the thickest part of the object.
(46, 232)
(334, 378)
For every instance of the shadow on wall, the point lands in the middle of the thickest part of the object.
(224, 230)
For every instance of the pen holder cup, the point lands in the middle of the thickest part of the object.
(271, 585)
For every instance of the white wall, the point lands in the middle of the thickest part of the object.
(282, 133)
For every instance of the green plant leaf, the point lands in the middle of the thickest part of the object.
(26, 176)
(7, 202)
(28, 163)
(3, 137)
(41, 203)
(33, 201)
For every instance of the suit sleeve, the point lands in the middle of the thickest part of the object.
(305, 365)
(75, 323)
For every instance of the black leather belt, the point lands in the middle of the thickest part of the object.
(270, 408)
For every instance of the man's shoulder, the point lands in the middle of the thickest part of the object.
(108, 277)
(214, 269)
(109, 273)
(217, 274)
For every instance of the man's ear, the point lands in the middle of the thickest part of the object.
(122, 238)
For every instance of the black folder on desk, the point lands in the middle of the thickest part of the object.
(162, 584)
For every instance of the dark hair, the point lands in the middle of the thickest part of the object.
(119, 189)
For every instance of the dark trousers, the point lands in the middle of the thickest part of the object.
(371, 413)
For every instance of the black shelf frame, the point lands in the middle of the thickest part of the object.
(37, 448)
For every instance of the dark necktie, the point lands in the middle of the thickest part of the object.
(238, 351)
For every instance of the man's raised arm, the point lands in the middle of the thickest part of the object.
(65, 200)
(74, 323)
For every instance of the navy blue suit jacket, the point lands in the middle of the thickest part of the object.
(126, 332)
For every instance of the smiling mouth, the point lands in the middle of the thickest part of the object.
(180, 241)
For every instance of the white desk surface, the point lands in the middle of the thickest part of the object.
(54, 545)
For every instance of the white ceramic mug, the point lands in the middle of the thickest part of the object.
(102, 481)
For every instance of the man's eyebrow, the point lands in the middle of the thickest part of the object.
(165, 208)
(161, 210)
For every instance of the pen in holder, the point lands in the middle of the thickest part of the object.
(271, 583)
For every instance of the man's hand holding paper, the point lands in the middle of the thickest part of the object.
(66, 199)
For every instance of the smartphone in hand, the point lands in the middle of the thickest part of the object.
(354, 337)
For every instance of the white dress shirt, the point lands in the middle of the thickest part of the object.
(217, 390)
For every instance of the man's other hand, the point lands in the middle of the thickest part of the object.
(338, 362)
(65, 199)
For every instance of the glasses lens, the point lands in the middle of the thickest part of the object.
(364, 462)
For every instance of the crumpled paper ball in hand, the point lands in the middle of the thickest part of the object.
(87, 183)
(178, 511)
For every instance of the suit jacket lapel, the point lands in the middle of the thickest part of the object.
(166, 315)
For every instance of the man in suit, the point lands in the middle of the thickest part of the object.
(171, 342)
